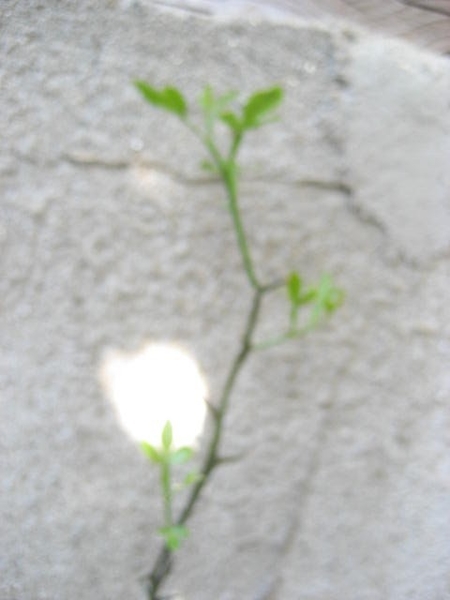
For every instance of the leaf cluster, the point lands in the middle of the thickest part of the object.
(256, 111)
(168, 98)
(324, 299)
(166, 456)
(167, 453)
(174, 536)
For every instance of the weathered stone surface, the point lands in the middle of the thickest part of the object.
(112, 238)
(423, 22)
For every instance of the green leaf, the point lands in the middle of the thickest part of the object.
(259, 105)
(335, 299)
(327, 299)
(307, 296)
(294, 284)
(324, 289)
(174, 101)
(232, 121)
(206, 100)
(166, 437)
(150, 93)
(181, 455)
(192, 478)
(168, 98)
(151, 452)
(224, 101)
(212, 104)
(174, 535)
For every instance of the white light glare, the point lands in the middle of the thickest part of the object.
(160, 383)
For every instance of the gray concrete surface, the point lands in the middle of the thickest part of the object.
(422, 22)
(112, 239)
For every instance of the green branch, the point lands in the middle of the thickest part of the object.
(163, 563)
(324, 299)
(229, 179)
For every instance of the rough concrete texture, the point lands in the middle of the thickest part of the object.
(423, 22)
(112, 238)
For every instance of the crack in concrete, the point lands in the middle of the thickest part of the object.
(270, 590)
(363, 216)
(100, 163)
(326, 185)
(323, 185)
(95, 162)
(391, 254)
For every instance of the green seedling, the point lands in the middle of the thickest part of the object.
(324, 299)
(319, 301)
(166, 457)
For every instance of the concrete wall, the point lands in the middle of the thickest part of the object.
(113, 239)
(422, 22)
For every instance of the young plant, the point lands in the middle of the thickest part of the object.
(166, 457)
(322, 299)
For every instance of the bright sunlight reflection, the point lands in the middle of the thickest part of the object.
(160, 383)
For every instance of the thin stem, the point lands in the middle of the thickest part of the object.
(276, 341)
(212, 458)
(163, 564)
(161, 569)
(293, 316)
(237, 139)
(226, 167)
(167, 492)
(291, 334)
(273, 285)
(228, 174)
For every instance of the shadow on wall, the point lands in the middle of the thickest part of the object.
(161, 382)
